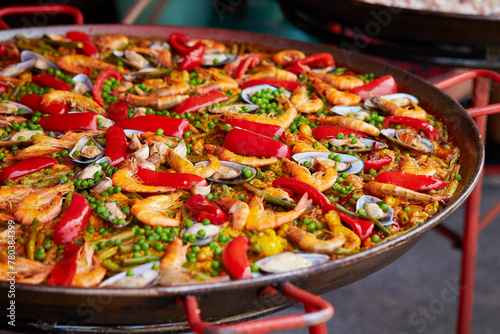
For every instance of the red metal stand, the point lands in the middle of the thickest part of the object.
(473, 225)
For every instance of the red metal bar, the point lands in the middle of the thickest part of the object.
(40, 10)
(488, 218)
(318, 311)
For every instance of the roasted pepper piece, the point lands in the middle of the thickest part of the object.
(26, 167)
(268, 130)
(376, 164)
(50, 80)
(235, 258)
(194, 103)
(101, 80)
(73, 220)
(382, 86)
(315, 60)
(247, 63)
(245, 142)
(429, 129)
(411, 181)
(64, 270)
(203, 208)
(193, 59)
(116, 145)
(181, 181)
(174, 127)
(68, 122)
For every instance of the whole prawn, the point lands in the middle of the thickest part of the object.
(221, 81)
(347, 122)
(334, 96)
(303, 104)
(154, 210)
(411, 110)
(74, 101)
(227, 155)
(342, 82)
(385, 189)
(320, 180)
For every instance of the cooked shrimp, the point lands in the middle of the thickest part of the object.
(181, 165)
(5, 217)
(412, 110)
(298, 146)
(7, 108)
(347, 122)
(320, 180)
(82, 64)
(334, 96)
(303, 104)
(173, 87)
(111, 42)
(342, 82)
(160, 210)
(153, 102)
(269, 72)
(89, 270)
(162, 58)
(44, 204)
(6, 121)
(74, 101)
(284, 120)
(383, 189)
(278, 193)
(43, 145)
(352, 241)
(227, 155)
(127, 179)
(221, 81)
(260, 219)
(239, 211)
(211, 46)
(9, 197)
(409, 165)
(286, 57)
(27, 271)
(308, 242)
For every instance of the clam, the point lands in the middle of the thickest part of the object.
(348, 163)
(144, 275)
(355, 144)
(409, 140)
(86, 151)
(116, 216)
(13, 108)
(356, 112)
(400, 96)
(41, 62)
(246, 94)
(235, 108)
(89, 173)
(211, 232)
(371, 206)
(218, 59)
(288, 261)
(83, 84)
(17, 69)
(232, 173)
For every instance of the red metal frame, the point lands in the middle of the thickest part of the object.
(37, 9)
(473, 226)
(318, 311)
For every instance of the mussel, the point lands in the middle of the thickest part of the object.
(13, 108)
(355, 144)
(83, 84)
(372, 207)
(114, 214)
(218, 59)
(41, 62)
(409, 140)
(17, 69)
(343, 163)
(143, 276)
(211, 232)
(104, 122)
(356, 112)
(132, 59)
(232, 173)
(288, 261)
(247, 93)
(86, 151)
(235, 108)
(19, 139)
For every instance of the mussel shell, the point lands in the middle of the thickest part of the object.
(392, 135)
(84, 79)
(28, 55)
(366, 199)
(78, 148)
(400, 96)
(17, 69)
(358, 112)
(288, 261)
(246, 94)
(21, 108)
(234, 108)
(5, 142)
(241, 178)
(105, 123)
(137, 271)
(367, 142)
(211, 232)
(224, 58)
(356, 166)
(98, 161)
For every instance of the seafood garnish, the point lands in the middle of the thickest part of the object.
(211, 232)
(28, 55)
(246, 94)
(83, 84)
(14, 108)
(409, 140)
(232, 173)
(143, 276)
(17, 69)
(354, 111)
(234, 108)
(372, 208)
(287, 261)
(218, 59)
(355, 144)
(86, 151)
(400, 96)
(344, 163)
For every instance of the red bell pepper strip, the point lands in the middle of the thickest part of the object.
(346, 199)
(193, 59)
(67, 122)
(288, 85)
(178, 41)
(32, 101)
(194, 103)
(247, 63)
(363, 228)
(301, 187)
(25, 167)
(118, 111)
(101, 80)
(116, 145)
(181, 181)
(316, 60)
(174, 127)
(73, 220)
(235, 258)
(324, 132)
(89, 47)
(3, 89)
(64, 270)
(245, 142)
(376, 164)
(411, 181)
(50, 80)
(55, 108)
(430, 130)
(268, 130)
(203, 208)
(3, 50)
(382, 86)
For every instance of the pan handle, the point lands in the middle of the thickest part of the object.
(40, 10)
(474, 74)
(318, 311)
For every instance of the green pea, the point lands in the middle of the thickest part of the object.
(160, 132)
(202, 233)
(159, 247)
(407, 208)
(361, 211)
(375, 238)
(372, 172)
(206, 221)
(340, 180)
(340, 135)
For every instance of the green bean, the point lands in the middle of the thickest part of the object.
(452, 188)
(30, 248)
(345, 251)
(112, 266)
(269, 198)
(69, 45)
(107, 252)
(357, 215)
(125, 249)
(134, 261)
(121, 236)
(50, 251)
